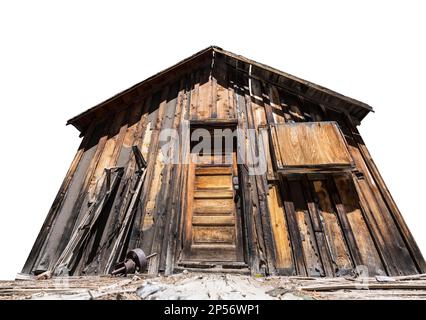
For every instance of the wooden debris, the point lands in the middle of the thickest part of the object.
(384, 279)
(367, 286)
(44, 275)
(190, 285)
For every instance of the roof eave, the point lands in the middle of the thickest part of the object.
(76, 121)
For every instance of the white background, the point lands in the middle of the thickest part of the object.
(58, 58)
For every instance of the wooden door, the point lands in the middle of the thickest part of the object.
(212, 227)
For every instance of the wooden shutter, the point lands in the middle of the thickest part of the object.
(310, 145)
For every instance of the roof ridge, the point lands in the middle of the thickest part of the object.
(318, 89)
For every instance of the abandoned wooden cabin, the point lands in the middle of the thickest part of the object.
(305, 198)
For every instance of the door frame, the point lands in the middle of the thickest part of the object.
(186, 200)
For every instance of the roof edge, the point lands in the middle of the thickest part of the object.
(294, 78)
(158, 74)
(74, 120)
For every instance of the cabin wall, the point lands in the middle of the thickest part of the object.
(313, 225)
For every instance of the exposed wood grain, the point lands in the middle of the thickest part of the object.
(204, 95)
(256, 161)
(161, 216)
(311, 144)
(310, 248)
(324, 248)
(275, 101)
(333, 229)
(295, 234)
(364, 243)
(284, 258)
(211, 219)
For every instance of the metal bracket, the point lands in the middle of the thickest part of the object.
(236, 187)
(235, 183)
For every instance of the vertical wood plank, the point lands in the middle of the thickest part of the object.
(317, 219)
(344, 223)
(284, 256)
(275, 101)
(295, 234)
(333, 229)
(204, 95)
(220, 91)
(262, 217)
(364, 242)
(310, 248)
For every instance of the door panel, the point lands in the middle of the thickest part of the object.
(213, 220)
(214, 233)
(211, 232)
(211, 206)
(210, 181)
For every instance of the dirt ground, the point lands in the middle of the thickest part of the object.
(190, 285)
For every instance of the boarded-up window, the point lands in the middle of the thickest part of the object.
(313, 145)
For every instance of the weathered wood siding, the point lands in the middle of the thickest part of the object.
(316, 225)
